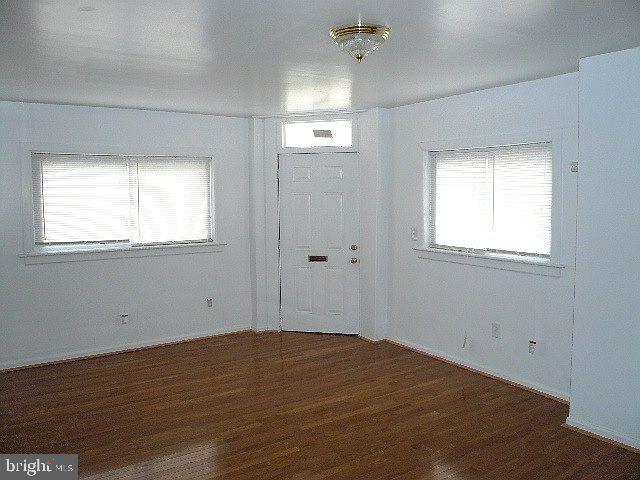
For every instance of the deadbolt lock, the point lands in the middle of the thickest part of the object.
(354, 247)
(354, 260)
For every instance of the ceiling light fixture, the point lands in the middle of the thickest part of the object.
(359, 39)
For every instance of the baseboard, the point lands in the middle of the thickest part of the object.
(265, 330)
(516, 382)
(102, 352)
(603, 434)
(371, 340)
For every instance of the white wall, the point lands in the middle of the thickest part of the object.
(432, 302)
(605, 381)
(264, 194)
(61, 310)
(375, 175)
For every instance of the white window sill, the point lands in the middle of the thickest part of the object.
(83, 253)
(325, 149)
(492, 260)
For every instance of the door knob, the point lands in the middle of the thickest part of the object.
(354, 260)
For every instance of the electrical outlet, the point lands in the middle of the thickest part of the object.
(495, 330)
(532, 346)
(415, 236)
(126, 315)
(209, 302)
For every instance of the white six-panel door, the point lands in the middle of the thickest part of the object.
(319, 217)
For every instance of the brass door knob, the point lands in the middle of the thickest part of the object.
(354, 260)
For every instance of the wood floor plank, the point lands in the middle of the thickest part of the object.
(293, 406)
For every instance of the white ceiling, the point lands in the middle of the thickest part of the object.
(262, 57)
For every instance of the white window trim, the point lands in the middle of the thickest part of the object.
(115, 250)
(32, 253)
(355, 132)
(552, 265)
(498, 261)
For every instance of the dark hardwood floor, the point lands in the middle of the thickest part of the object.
(294, 406)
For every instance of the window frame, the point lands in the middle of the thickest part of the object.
(33, 253)
(355, 133)
(504, 260)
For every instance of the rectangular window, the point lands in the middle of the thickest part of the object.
(334, 133)
(495, 199)
(102, 199)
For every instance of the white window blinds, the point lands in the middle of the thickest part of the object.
(170, 200)
(114, 199)
(491, 199)
(79, 199)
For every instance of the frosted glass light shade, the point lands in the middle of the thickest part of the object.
(359, 40)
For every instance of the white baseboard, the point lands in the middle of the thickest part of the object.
(78, 354)
(604, 433)
(370, 338)
(550, 392)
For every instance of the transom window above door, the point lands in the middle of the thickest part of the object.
(94, 200)
(314, 134)
(495, 199)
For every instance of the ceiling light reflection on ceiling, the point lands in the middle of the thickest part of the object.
(359, 39)
(313, 88)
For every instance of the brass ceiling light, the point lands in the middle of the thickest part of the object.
(359, 39)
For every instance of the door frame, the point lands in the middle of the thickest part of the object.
(311, 152)
(370, 133)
